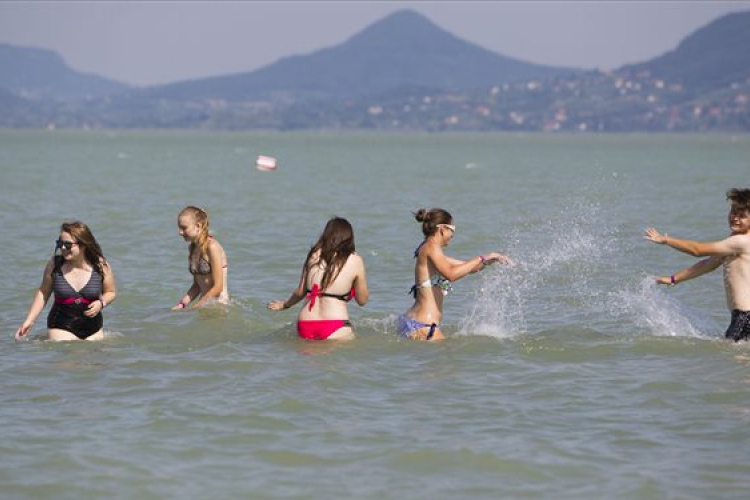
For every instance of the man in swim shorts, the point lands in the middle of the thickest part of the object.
(733, 253)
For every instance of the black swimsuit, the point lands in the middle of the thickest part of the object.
(739, 328)
(67, 312)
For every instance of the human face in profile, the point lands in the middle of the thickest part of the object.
(447, 231)
(188, 228)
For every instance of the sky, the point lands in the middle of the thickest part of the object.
(156, 42)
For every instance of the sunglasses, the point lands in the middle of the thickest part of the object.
(67, 245)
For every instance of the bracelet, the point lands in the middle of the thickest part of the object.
(104, 303)
(672, 281)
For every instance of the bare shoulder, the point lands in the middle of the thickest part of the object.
(50, 265)
(740, 242)
(106, 268)
(215, 246)
(431, 249)
(358, 260)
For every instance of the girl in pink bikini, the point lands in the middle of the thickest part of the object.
(332, 275)
(207, 260)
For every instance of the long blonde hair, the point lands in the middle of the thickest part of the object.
(200, 216)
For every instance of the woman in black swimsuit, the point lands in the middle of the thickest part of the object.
(83, 284)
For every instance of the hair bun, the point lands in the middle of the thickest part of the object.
(420, 215)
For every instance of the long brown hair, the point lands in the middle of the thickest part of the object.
(200, 216)
(83, 236)
(335, 245)
(431, 218)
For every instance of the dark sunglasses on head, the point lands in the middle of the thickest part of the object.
(67, 245)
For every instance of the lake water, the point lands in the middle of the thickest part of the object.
(569, 376)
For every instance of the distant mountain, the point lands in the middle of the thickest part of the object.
(713, 57)
(403, 49)
(405, 73)
(19, 112)
(38, 74)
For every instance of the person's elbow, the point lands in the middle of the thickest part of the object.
(213, 292)
(362, 298)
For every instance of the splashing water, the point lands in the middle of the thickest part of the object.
(659, 313)
(558, 273)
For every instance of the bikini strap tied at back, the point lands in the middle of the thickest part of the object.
(316, 292)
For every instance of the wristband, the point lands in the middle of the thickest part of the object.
(181, 305)
(672, 281)
(483, 260)
(104, 303)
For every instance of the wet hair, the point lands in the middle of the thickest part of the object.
(740, 199)
(200, 216)
(431, 218)
(335, 245)
(83, 236)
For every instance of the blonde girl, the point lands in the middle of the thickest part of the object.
(207, 261)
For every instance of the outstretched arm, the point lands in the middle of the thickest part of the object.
(461, 268)
(699, 269)
(730, 246)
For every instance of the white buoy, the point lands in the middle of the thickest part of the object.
(265, 163)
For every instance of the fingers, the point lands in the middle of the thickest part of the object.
(93, 309)
(496, 257)
(21, 332)
(276, 305)
(652, 235)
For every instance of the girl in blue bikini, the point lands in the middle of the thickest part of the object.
(433, 273)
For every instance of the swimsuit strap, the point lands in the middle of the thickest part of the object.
(435, 281)
(416, 251)
(431, 333)
(316, 292)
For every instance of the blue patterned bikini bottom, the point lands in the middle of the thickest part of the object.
(407, 326)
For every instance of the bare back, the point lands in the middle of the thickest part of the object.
(331, 307)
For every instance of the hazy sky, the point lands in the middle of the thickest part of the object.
(146, 43)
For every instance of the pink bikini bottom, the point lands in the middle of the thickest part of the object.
(320, 329)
